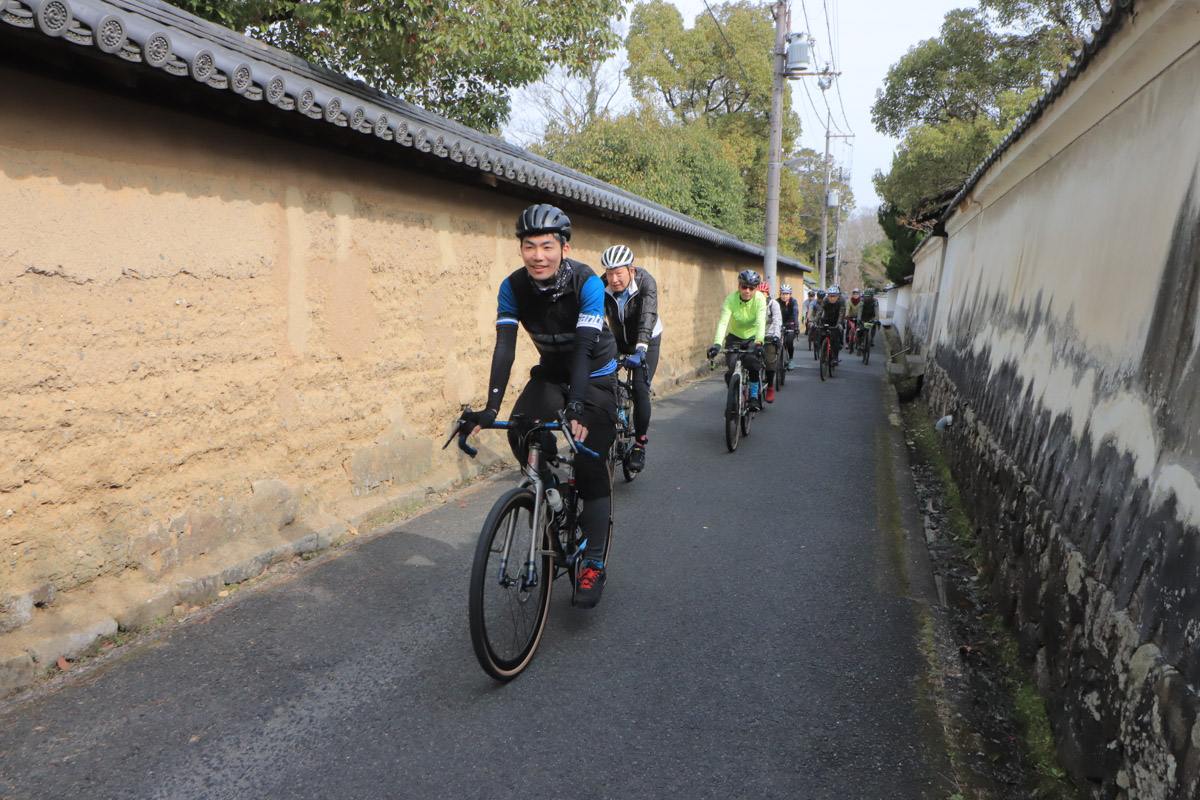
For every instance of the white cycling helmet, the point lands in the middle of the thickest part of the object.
(617, 256)
(785, 289)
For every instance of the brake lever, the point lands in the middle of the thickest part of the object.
(575, 445)
(462, 434)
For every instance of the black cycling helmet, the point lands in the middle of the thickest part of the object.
(821, 295)
(749, 277)
(543, 218)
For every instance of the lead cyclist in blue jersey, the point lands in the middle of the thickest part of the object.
(560, 303)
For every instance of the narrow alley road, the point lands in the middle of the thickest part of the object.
(756, 639)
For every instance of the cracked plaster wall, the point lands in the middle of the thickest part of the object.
(1063, 333)
(209, 334)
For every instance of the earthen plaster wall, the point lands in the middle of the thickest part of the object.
(216, 342)
(1062, 317)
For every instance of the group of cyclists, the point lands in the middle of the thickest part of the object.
(581, 323)
(829, 309)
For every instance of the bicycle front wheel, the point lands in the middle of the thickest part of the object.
(867, 351)
(509, 597)
(733, 412)
(824, 355)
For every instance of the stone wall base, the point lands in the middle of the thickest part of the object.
(1125, 715)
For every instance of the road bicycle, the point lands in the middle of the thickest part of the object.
(739, 414)
(825, 350)
(530, 538)
(787, 350)
(851, 335)
(626, 437)
(864, 341)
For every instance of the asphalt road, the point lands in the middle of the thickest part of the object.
(756, 639)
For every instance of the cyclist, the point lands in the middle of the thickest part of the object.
(791, 321)
(560, 303)
(869, 311)
(853, 308)
(631, 305)
(744, 316)
(808, 306)
(832, 312)
(771, 340)
(811, 318)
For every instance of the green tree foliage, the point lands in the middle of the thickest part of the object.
(712, 83)
(874, 262)
(707, 72)
(953, 98)
(1058, 26)
(804, 186)
(902, 242)
(459, 58)
(962, 75)
(681, 165)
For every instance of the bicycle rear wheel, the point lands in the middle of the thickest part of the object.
(507, 611)
(733, 412)
(627, 438)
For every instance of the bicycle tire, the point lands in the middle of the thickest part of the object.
(866, 352)
(747, 418)
(626, 434)
(781, 368)
(504, 655)
(824, 355)
(612, 509)
(733, 412)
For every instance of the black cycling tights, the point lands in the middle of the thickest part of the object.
(542, 399)
(643, 376)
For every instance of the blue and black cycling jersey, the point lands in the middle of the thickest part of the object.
(566, 323)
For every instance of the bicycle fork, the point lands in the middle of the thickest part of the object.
(529, 576)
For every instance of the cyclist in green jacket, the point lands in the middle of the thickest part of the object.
(744, 324)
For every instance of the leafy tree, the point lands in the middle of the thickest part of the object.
(931, 164)
(705, 72)
(718, 76)
(804, 185)
(962, 75)
(679, 165)
(874, 263)
(1057, 25)
(954, 97)
(459, 58)
(903, 241)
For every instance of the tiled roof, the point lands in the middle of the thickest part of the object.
(154, 35)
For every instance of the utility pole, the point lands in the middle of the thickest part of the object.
(775, 154)
(825, 198)
(792, 62)
(837, 237)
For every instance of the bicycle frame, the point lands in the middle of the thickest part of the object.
(624, 422)
(739, 365)
(533, 478)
